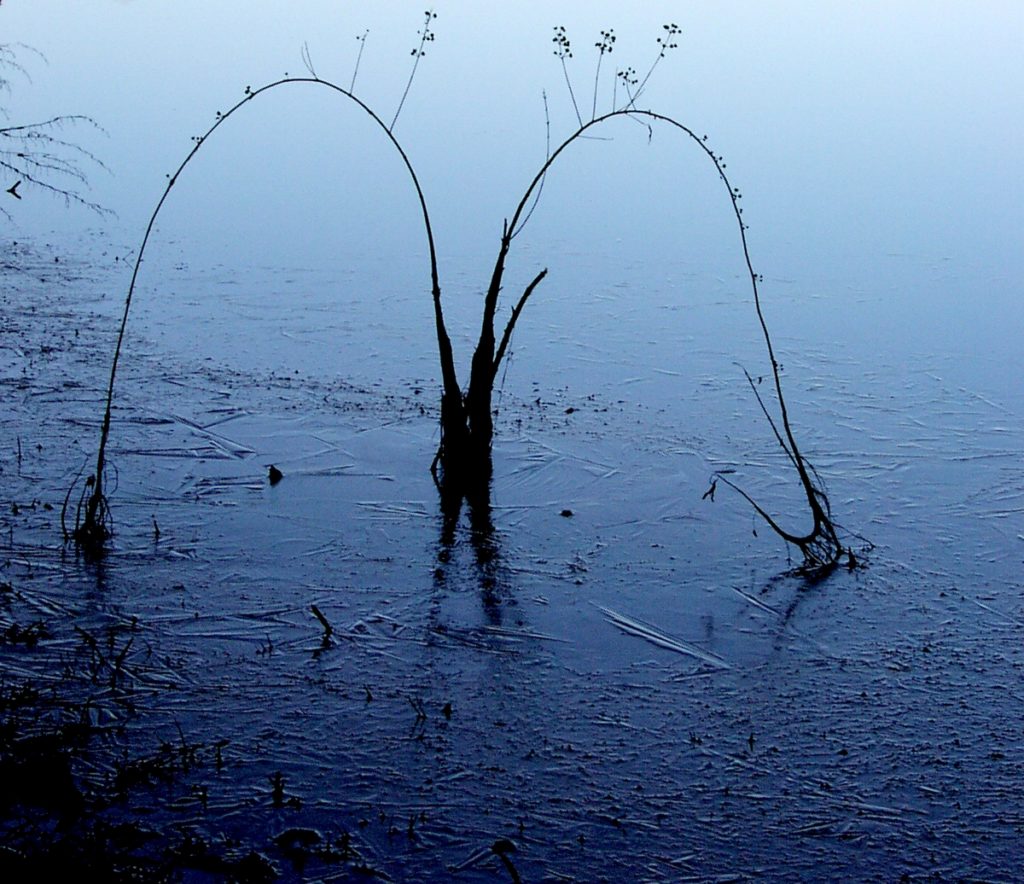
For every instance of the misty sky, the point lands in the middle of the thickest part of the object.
(855, 131)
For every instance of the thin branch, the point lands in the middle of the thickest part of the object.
(30, 152)
(767, 414)
(629, 80)
(507, 336)
(666, 42)
(359, 58)
(307, 61)
(34, 154)
(794, 539)
(563, 50)
(604, 45)
(547, 154)
(426, 36)
(9, 59)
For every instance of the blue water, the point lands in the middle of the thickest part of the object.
(640, 689)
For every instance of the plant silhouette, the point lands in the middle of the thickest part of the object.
(462, 466)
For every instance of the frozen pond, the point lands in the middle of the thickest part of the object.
(623, 679)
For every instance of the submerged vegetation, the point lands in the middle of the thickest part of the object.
(462, 466)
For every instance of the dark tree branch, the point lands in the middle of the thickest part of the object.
(36, 155)
(507, 336)
(43, 160)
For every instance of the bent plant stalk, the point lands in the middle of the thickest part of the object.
(93, 524)
(820, 546)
